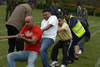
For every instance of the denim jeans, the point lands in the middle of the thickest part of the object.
(45, 44)
(29, 56)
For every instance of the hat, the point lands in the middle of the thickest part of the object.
(32, 1)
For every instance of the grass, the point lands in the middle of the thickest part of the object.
(88, 59)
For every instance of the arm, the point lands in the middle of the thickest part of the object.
(51, 22)
(73, 22)
(63, 28)
(29, 41)
(47, 27)
(60, 30)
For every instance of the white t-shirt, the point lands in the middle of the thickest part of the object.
(51, 32)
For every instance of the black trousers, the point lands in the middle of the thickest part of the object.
(75, 41)
(65, 45)
(13, 42)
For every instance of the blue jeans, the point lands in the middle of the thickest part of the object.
(45, 44)
(29, 56)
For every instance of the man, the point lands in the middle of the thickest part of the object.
(85, 16)
(31, 34)
(86, 36)
(65, 42)
(11, 4)
(78, 32)
(16, 22)
(79, 11)
(53, 9)
(49, 28)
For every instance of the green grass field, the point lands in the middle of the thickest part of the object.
(90, 57)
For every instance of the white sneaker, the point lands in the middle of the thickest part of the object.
(80, 52)
(54, 63)
(62, 65)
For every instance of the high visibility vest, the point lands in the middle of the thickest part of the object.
(78, 29)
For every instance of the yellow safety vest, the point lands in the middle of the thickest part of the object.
(78, 29)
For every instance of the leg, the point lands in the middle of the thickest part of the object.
(45, 44)
(87, 22)
(65, 46)
(71, 53)
(81, 44)
(31, 59)
(7, 12)
(16, 56)
(82, 47)
(76, 49)
(71, 50)
(11, 31)
(11, 9)
(11, 43)
(54, 52)
(19, 45)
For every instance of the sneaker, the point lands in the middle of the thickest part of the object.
(54, 63)
(62, 65)
(80, 52)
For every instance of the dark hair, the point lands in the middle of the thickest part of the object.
(60, 16)
(32, 1)
(46, 10)
(66, 12)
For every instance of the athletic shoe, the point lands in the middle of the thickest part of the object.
(80, 52)
(62, 65)
(54, 63)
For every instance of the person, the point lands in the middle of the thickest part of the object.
(11, 4)
(85, 16)
(86, 36)
(15, 24)
(53, 9)
(49, 28)
(65, 36)
(2, 2)
(31, 34)
(78, 32)
(79, 11)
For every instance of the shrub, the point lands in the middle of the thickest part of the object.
(72, 8)
(97, 13)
